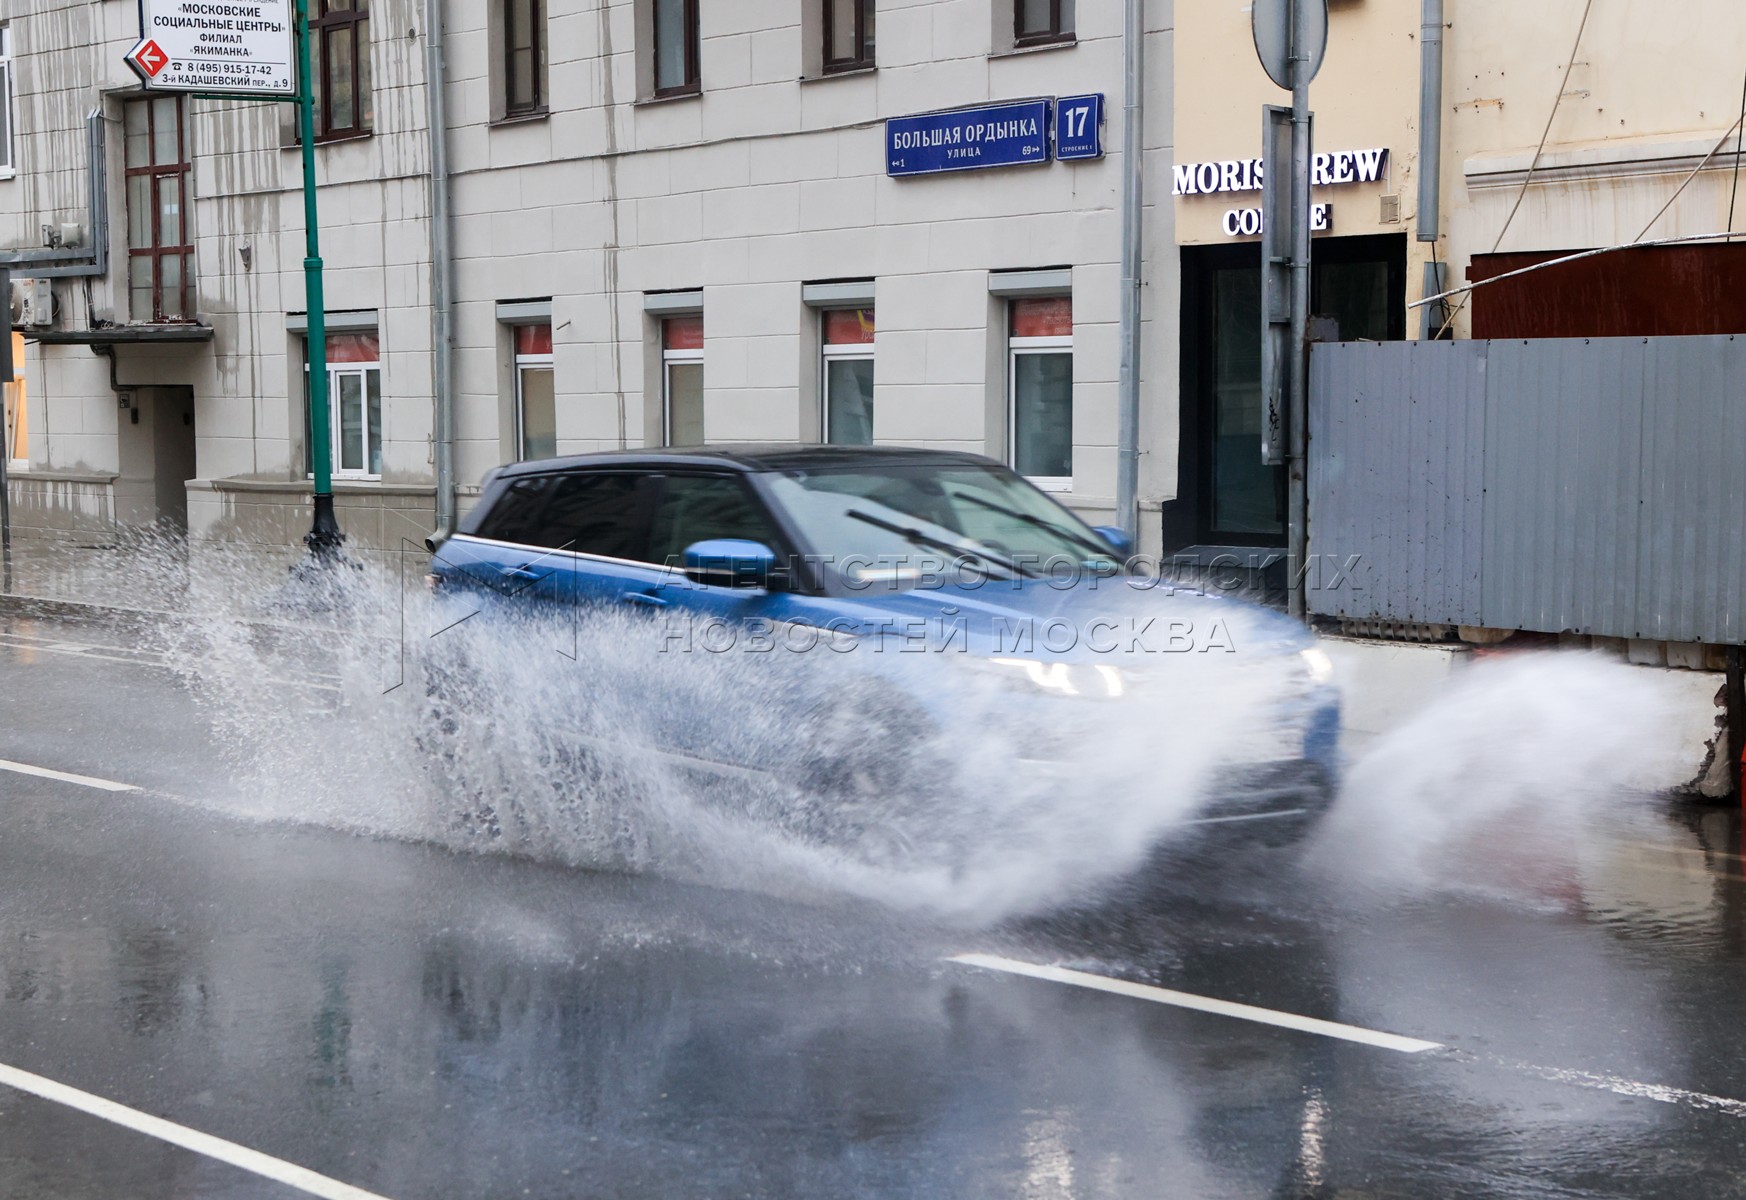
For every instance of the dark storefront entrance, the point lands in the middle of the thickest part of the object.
(1226, 497)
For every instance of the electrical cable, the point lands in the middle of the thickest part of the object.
(1702, 163)
(1738, 147)
(1563, 85)
(1636, 243)
(1468, 288)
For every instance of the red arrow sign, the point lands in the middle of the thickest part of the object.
(149, 58)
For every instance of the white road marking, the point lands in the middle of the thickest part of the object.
(1630, 1087)
(145, 658)
(241, 1157)
(1660, 1093)
(1205, 1004)
(105, 785)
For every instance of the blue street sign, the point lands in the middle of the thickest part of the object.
(966, 139)
(1079, 127)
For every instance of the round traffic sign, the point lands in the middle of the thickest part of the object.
(1272, 23)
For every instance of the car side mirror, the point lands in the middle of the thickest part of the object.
(1118, 539)
(730, 562)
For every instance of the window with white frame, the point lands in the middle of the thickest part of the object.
(682, 379)
(1040, 387)
(8, 155)
(847, 385)
(354, 399)
(536, 402)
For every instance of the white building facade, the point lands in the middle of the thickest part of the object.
(674, 221)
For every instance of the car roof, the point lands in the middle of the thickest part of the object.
(772, 456)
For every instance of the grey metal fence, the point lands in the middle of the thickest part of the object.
(1586, 485)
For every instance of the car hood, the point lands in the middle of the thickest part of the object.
(1073, 622)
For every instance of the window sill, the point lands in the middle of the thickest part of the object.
(341, 484)
(694, 93)
(844, 73)
(526, 118)
(359, 482)
(1035, 48)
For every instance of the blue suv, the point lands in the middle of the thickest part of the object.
(926, 555)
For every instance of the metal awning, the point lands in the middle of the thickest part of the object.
(121, 335)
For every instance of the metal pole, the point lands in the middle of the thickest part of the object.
(1298, 541)
(1133, 241)
(324, 536)
(442, 271)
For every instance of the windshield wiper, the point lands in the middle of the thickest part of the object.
(1036, 522)
(918, 537)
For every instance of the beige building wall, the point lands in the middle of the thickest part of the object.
(1652, 89)
(1365, 97)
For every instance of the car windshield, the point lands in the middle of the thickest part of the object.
(899, 524)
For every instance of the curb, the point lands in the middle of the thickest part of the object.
(43, 606)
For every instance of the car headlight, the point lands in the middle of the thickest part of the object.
(1096, 681)
(1318, 664)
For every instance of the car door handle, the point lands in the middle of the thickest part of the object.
(644, 600)
(521, 573)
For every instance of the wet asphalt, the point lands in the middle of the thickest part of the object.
(421, 1023)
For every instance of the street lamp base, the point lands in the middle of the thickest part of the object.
(324, 538)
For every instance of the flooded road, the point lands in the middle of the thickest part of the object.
(1556, 1017)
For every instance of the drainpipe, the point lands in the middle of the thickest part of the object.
(1431, 121)
(1435, 317)
(442, 274)
(1133, 149)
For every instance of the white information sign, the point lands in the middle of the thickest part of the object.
(222, 47)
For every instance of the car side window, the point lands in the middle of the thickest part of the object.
(516, 515)
(700, 508)
(593, 512)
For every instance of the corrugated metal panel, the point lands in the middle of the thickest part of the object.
(1595, 486)
(1395, 456)
(1690, 579)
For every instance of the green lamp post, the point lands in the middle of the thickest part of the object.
(324, 536)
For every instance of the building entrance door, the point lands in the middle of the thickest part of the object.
(1227, 498)
(157, 458)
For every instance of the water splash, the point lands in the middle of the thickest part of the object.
(577, 742)
(1498, 783)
